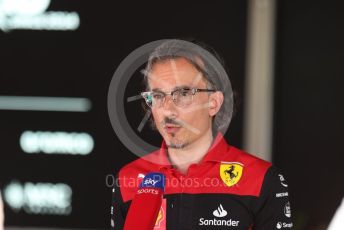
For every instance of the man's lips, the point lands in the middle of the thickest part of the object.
(170, 128)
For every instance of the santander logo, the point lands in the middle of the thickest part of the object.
(220, 212)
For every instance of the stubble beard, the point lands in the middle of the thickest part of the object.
(177, 144)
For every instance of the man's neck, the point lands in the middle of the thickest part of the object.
(191, 154)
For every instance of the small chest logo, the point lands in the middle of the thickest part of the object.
(160, 222)
(231, 172)
(287, 210)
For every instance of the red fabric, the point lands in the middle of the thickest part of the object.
(203, 177)
(144, 209)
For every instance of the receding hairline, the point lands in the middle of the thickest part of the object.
(161, 60)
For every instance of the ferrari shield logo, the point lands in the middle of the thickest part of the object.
(231, 172)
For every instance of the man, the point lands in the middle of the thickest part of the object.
(209, 184)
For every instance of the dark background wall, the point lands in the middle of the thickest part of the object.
(309, 109)
(81, 64)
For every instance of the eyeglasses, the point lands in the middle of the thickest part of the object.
(181, 97)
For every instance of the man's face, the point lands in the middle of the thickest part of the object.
(179, 126)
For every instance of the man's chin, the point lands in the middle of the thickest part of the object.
(176, 145)
(175, 142)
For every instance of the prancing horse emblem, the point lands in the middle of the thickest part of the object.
(231, 172)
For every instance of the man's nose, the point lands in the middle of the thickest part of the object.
(169, 106)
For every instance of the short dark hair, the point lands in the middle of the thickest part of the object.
(212, 68)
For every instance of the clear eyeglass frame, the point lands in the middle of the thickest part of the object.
(181, 97)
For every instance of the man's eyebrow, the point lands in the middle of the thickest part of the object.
(157, 90)
(182, 87)
(177, 87)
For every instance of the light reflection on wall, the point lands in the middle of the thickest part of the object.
(56, 142)
(39, 198)
(32, 15)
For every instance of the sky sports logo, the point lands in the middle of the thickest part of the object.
(153, 180)
(33, 15)
(150, 181)
(153, 191)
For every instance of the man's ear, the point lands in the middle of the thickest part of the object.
(215, 101)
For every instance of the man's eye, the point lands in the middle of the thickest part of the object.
(158, 96)
(185, 92)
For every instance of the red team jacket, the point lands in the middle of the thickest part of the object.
(228, 189)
